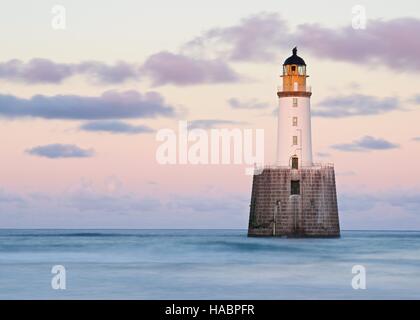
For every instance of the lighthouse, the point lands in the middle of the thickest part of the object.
(294, 141)
(294, 197)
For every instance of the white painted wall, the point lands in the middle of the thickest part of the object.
(286, 131)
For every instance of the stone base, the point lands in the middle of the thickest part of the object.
(275, 212)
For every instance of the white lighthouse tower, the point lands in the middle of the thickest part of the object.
(295, 197)
(294, 141)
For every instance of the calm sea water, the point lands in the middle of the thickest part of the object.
(206, 264)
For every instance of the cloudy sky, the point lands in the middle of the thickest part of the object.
(80, 107)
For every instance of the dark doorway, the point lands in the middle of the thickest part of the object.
(295, 163)
(295, 187)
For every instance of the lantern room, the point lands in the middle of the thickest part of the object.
(294, 73)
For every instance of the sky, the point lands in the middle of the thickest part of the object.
(81, 106)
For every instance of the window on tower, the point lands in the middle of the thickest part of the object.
(295, 187)
(302, 70)
(295, 140)
(295, 121)
(293, 68)
(295, 102)
(295, 163)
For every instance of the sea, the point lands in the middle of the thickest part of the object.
(206, 264)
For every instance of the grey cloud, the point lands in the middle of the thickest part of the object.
(54, 151)
(115, 127)
(415, 99)
(386, 42)
(207, 204)
(110, 105)
(323, 154)
(96, 208)
(366, 143)
(354, 105)
(255, 38)
(408, 200)
(210, 123)
(259, 38)
(169, 68)
(349, 202)
(111, 203)
(249, 104)
(103, 73)
(36, 70)
(162, 68)
(90, 207)
(177, 211)
(7, 197)
(46, 71)
(416, 139)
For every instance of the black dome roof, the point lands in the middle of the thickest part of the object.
(294, 59)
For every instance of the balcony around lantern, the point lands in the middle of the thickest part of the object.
(295, 87)
(294, 90)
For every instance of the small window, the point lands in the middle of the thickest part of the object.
(295, 102)
(301, 70)
(295, 187)
(293, 68)
(295, 141)
(295, 163)
(295, 121)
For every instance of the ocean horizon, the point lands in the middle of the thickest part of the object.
(206, 264)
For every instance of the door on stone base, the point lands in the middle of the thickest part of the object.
(295, 163)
